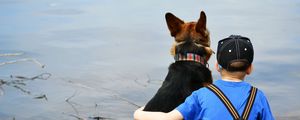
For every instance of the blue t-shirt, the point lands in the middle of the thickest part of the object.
(203, 104)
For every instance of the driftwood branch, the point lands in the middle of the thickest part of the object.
(24, 60)
(68, 100)
(11, 54)
(19, 82)
(77, 114)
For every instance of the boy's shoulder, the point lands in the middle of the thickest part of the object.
(230, 86)
(201, 92)
(219, 83)
(261, 95)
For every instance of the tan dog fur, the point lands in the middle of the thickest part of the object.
(182, 31)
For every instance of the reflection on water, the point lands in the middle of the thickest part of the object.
(108, 57)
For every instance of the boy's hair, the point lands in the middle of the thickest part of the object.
(235, 53)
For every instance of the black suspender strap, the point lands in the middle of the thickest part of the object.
(229, 105)
(249, 104)
(225, 101)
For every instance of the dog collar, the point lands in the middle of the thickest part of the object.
(190, 57)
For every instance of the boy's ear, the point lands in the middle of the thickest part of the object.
(249, 69)
(201, 24)
(174, 23)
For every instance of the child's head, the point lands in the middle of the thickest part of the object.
(235, 56)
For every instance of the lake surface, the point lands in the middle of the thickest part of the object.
(106, 57)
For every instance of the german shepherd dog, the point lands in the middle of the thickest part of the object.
(189, 72)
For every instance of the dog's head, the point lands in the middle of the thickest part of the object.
(190, 37)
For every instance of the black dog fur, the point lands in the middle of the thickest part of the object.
(183, 78)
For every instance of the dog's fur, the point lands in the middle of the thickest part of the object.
(183, 77)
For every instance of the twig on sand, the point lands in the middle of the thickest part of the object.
(43, 96)
(151, 81)
(99, 118)
(114, 94)
(72, 105)
(10, 54)
(77, 115)
(117, 95)
(20, 60)
(19, 82)
(20, 79)
(126, 100)
(137, 82)
(24, 60)
(22, 89)
(69, 98)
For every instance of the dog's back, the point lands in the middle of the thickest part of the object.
(189, 72)
(183, 78)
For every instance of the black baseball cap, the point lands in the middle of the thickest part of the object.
(235, 53)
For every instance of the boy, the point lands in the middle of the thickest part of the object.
(228, 98)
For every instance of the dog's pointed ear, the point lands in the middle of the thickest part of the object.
(174, 23)
(201, 24)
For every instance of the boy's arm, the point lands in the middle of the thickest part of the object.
(266, 111)
(139, 114)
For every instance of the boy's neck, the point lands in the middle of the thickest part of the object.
(230, 79)
(233, 76)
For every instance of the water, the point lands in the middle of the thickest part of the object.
(113, 55)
